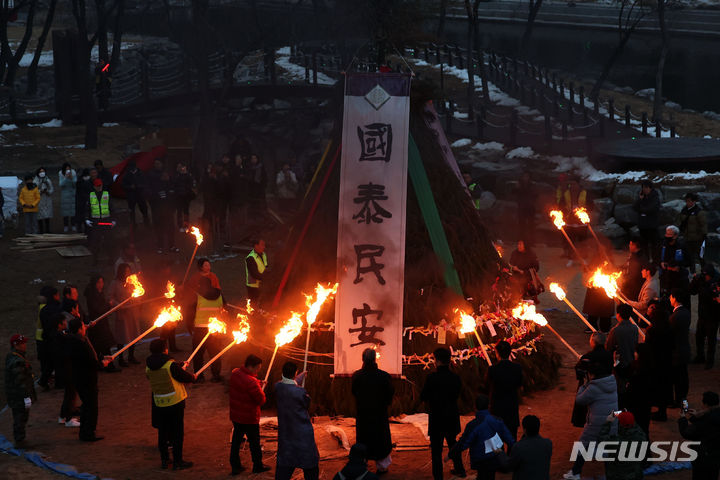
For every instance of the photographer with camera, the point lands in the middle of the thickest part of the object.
(706, 286)
(704, 426)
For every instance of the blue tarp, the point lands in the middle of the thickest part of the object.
(37, 458)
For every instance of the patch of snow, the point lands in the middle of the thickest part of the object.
(708, 137)
(712, 115)
(673, 105)
(520, 152)
(46, 57)
(463, 142)
(460, 115)
(582, 167)
(524, 110)
(82, 145)
(646, 93)
(690, 176)
(7, 127)
(110, 124)
(297, 72)
(54, 123)
(496, 146)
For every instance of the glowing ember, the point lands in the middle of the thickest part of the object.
(170, 290)
(377, 352)
(138, 290)
(249, 307)
(321, 294)
(168, 314)
(241, 334)
(582, 215)
(216, 326)
(526, 311)
(557, 217)
(558, 291)
(467, 322)
(498, 249)
(607, 282)
(290, 330)
(198, 236)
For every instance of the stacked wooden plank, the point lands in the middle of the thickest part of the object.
(47, 241)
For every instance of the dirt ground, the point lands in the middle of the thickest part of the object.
(129, 452)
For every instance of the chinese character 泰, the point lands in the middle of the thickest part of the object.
(371, 211)
(366, 332)
(375, 142)
(368, 252)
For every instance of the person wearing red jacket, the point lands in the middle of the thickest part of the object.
(246, 397)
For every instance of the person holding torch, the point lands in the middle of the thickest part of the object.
(166, 378)
(210, 303)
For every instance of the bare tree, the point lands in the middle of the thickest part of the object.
(441, 19)
(471, 20)
(664, 47)
(32, 69)
(10, 60)
(630, 14)
(480, 53)
(88, 109)
(533, 9)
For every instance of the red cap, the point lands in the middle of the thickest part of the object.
(17, 339)
(626, 419)
(97, 183)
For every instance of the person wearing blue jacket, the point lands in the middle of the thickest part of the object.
(484, 427)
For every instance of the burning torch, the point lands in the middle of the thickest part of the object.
(526, 311)
(582, 214)
(287, 334)
(557, 217)
(608, 282)
(560, 294)
(138, 291)
(167, 314)
(198, 240)
(467, 325)
(214, 326)
(239, 336)
(321, 295)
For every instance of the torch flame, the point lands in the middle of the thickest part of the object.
(241, 334)
(168, 314)
(377, 352)
(557, 217)
(558, 291)
(582, 215)
(526, 311)
(216, 326)
(170, 290)
(321, 294)
(498, 249)
(249, 307)
(290, 330)
(467, 322)
(138, 290)
(607, 282)
(198, 236)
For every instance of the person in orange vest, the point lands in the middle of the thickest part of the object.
(167, 378)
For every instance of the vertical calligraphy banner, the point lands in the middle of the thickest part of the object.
(371, 221)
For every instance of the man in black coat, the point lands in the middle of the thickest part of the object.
(632, 279)
(441, 393)
(648, 207)
(84, 365)
(373, 393)
(674, 261)
(660, 342)
(134, 185)
(504, 380)
(530, 457)
(705, 286)
(50, 318)
(680, 325)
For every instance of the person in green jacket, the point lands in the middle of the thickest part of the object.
(19, 388)
(628, 432)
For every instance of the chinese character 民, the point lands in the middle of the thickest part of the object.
(366, 332)
(369, 252)
(375, 141)
(371, 211)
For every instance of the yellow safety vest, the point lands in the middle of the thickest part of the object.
(206, 309)
(261, 266)
(476, 201)
(38, 328)
(100, 209)
(165, 389)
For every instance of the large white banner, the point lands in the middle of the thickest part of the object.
(371, 221)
